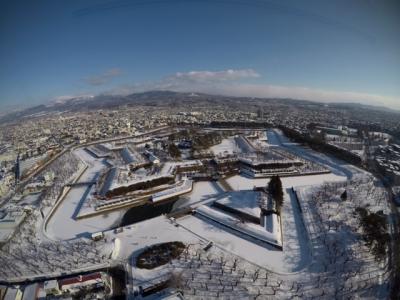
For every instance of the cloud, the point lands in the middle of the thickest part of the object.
(204, 76)
(185, 81)
(60, 99)
(304, 93)
(66, 98)
(104, 77)
(231, 83)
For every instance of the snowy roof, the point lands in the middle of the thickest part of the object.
(127, 155)
(80, 280)
(177, 189)
(51, 284)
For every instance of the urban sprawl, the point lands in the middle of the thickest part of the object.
(193, 196)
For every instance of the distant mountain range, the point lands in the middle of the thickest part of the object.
(160, 98)
(362, 106)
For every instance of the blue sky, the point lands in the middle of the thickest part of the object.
(319, 50)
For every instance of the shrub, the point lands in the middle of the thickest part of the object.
(158, 255)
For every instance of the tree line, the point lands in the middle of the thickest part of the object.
(318, 144)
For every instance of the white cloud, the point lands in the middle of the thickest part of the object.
(60, 99)
(228, 82)
(204, 76)
(187, 81)
(295, 92)
(104, 77)
(66, 98)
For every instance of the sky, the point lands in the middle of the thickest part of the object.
(328, 51)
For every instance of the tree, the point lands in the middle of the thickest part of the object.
(376, 236)
(173, 150)
(276, 192)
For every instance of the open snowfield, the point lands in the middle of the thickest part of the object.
(296, 252)
(227, 146)
(294, 256)
(203, 192)
(63, 224)
(137, 236)
(323, 256)
(239, 182)
(277, 138)
(245, 201)
(296, 249)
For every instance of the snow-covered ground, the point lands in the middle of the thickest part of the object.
(278, 139)
(203, 191)
(227, 146)
(339, 250)
(248, 229)
(296, 250)
(239, 182)
(259, 253)
(237, 266)
(244, 201)
(63, 224)
(157, 230)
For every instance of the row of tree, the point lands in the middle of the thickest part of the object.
(201, 140)
(275, 190)
(317, 143)
(143, 185)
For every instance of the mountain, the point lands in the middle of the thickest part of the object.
(351, 105)
(165, 99)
